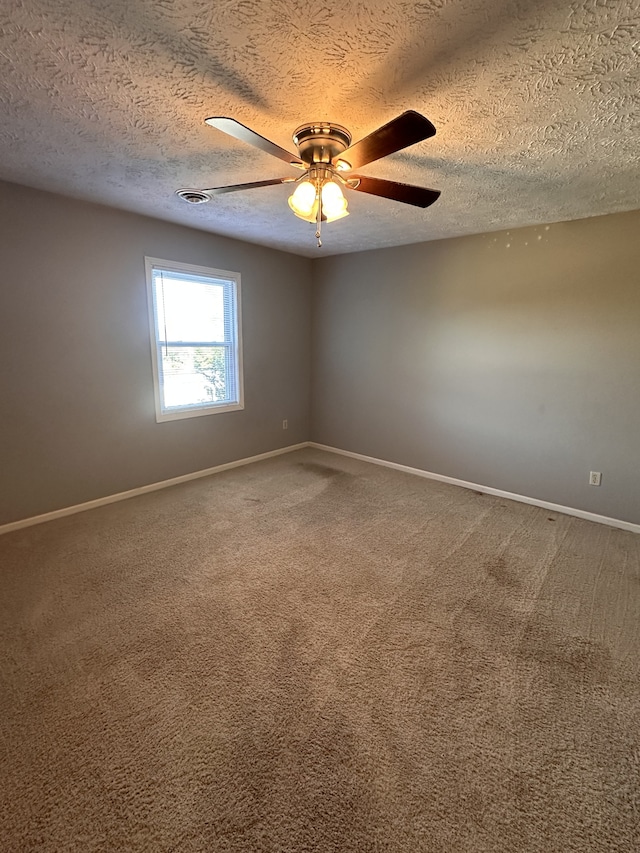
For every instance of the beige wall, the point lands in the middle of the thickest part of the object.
(511, 360)
(77, 418)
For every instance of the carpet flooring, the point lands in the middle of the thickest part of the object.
(312, 653)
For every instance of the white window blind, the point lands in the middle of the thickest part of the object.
(195, 322)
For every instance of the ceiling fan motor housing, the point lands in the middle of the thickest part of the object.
(321, 141)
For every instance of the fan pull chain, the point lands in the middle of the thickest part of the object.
(319, 214)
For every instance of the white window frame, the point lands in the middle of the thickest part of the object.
(200, 409)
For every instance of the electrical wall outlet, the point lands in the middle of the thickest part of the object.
(594, 478)
(285, 424)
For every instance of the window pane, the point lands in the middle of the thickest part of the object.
(194, 376)
(195, 339)
(189, 308)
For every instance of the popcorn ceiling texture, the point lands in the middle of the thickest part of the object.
(535, 104)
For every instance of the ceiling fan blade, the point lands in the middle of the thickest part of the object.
(245, 134)
(250, 186)
(406, 193)
(399, 133)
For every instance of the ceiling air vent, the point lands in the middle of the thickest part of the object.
(193, 196)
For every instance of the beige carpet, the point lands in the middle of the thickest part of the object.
(316, 654)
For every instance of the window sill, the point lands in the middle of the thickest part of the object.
(181, 414)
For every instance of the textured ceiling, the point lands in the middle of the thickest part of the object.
(535, 103)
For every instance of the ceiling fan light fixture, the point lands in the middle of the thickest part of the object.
(334, 204)
(311, 217)
(331, 217)
(303, 200)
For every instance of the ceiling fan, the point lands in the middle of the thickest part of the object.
(326, 158)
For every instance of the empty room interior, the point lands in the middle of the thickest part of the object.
(320, 426)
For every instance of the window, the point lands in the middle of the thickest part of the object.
(194, 315)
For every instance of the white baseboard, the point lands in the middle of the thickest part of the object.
(143, 490)
(418, 472)
(567, 510)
